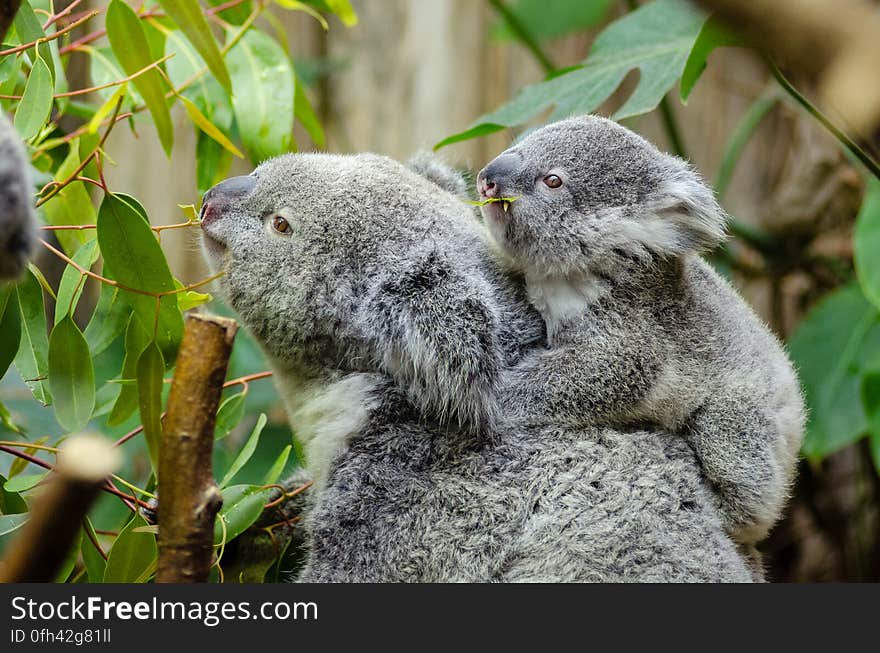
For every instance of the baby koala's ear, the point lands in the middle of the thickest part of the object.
(689, 205)
(433, 168)
(435, 329)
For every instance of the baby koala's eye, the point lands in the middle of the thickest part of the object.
(281, 225)
(553, 181)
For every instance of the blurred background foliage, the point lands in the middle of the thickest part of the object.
(467, 77)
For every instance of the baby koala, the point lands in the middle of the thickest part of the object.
(607, 232)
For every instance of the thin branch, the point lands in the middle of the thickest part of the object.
(92, 89)
(523, 34)
(86, 161)
(872, 165)
(61, 14)
(246, 379)
(51, 37)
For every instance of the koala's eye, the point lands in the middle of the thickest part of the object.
(281, 225)
(553, 181)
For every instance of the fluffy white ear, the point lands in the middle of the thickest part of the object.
(688, 205)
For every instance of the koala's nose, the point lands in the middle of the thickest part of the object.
(497, 175)
(219, 197)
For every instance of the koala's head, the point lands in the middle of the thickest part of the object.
(355, 263)
(17, 222)
(592, 196)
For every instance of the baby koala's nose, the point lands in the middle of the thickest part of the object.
(496, 177)
(220, 196)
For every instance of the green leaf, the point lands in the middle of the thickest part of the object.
(277, 468)
(263, 94)
(827, 349)
(190, 299)
(229, 415)
(136, 340)
(212, 162)
(305, 115)
(344, 10)
(10, 327)
(129, 43)
(132, 558)
(242, 506)
(71, 206)
(714, 34)
(11, 523)
(104, 69)
(866, 242)
(32, 359)
(188, 16)
(135, 259)
(150, 378)
(18, 465)
(656, 39)
(11, 503)
(246, 451)
(36, 103)
(200, 121)
(544, 22)
(234, 15)
(72, 284)
(24, 482)
(109, 319)
(30, 28)
(71, 376)
(93, 561)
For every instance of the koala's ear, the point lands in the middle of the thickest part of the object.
(433, 168)
(689, 207)
(435, 330)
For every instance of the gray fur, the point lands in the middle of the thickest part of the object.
(390, 327)
(642, 330)
(17, 222)
(431, 167)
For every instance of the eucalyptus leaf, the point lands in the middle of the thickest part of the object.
(655, 39)
(229, 414)
(32, 360)
(36, 103)
(242, 506)
(246, 451)
(827, 350)
(136, 340)
(150, 378)
(263, 85)
(125, 237)
(10, 327)
(133, 555)
(866, 242)
(189, 17)
(72, 284)
(132, 50)
(71, 376)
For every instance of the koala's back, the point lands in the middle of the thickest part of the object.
(407, 502)
(739, 356)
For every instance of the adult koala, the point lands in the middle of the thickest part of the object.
(389, 324)
(17, 221)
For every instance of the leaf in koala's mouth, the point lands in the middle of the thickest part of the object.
(505, 202)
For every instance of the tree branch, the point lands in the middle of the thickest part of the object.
(189, 497)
